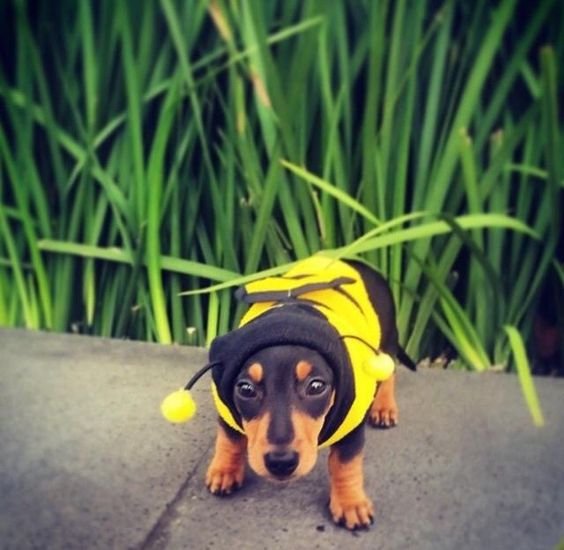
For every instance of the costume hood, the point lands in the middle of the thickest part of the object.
(286, 325)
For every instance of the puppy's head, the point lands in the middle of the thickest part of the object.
(283, 394)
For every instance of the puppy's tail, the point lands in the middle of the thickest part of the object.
(404, 359)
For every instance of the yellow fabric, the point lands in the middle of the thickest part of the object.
(224, 411)
(346, 317)
(287, 284)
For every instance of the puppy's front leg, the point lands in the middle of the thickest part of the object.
(349, 504)
(227, 468)
(384, 412)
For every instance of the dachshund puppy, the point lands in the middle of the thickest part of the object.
(310, 362)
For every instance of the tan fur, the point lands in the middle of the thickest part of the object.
(257, 444)
(304, 443)
(227, 468)
(306, 433)
(349, 504)
(384, 410)
(303, 369)
(256, 373)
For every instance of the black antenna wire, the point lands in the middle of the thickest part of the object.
(199, 374)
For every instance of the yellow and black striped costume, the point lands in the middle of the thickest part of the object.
(323, 304)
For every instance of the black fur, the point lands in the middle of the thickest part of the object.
(382, 301)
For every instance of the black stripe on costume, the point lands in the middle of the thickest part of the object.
(285, 295)
(351, 299)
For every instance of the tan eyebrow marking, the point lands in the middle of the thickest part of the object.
(256, 372)
(303, 369)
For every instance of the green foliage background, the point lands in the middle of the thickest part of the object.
(150, 148)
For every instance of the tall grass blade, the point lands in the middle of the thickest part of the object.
(524, 374)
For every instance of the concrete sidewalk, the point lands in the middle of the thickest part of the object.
(86, 461)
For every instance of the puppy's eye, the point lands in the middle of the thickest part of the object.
(246, 390)
(316, 387)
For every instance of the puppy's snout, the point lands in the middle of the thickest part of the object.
(281, 463)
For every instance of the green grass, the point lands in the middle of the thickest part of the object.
(175, 147)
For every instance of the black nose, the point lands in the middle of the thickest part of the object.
(281, 463)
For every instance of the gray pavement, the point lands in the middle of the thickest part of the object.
(86, 461)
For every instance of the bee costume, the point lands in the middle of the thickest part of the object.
(322, 304)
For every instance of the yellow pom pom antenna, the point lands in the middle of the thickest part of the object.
(179, 406)
(380, 366)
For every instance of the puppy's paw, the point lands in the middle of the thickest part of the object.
(384, 413)
(352, 513)
(223, 479)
